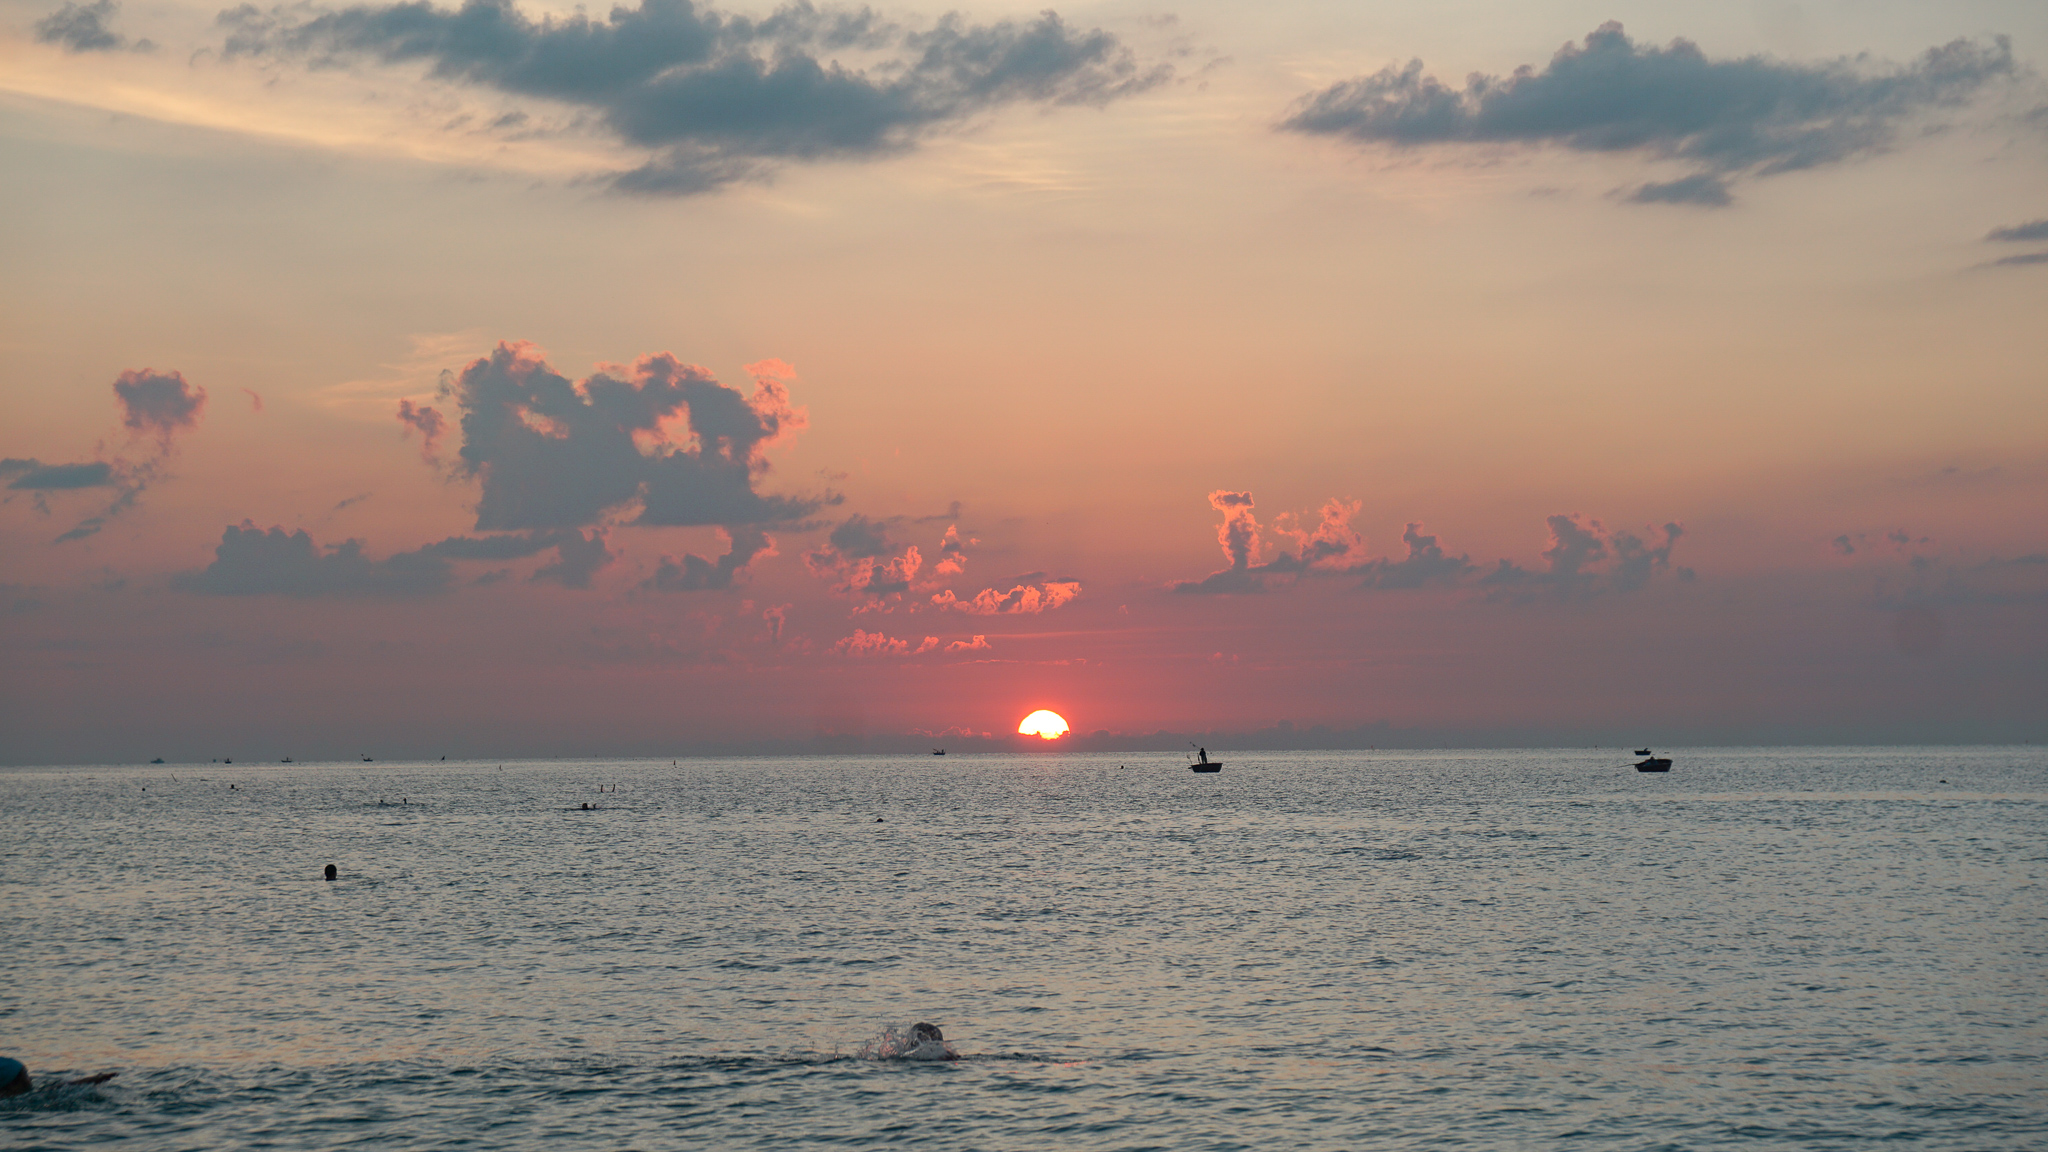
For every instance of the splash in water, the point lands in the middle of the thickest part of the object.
(918, 1042)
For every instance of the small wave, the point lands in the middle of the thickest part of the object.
(907, 1043)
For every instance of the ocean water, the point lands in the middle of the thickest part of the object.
(1820, 948)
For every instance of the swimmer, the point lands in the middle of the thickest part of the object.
(928, 1043)
(14, 1078)
(330, 872)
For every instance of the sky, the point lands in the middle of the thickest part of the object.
(520, 379)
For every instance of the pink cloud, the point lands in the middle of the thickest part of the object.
(255, 400)
(978, 644)
(429, 423)
(1332, 543)
(865, 644)
(1023, 599)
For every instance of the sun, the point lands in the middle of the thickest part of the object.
(1043, 724)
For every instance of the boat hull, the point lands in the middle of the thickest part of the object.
(1211, 766)
(1654, 764)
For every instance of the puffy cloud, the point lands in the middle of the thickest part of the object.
(860, 559)
(158, 403)
(252, 561)
(1584, 559)
(429, 423)
(1239, 537)
(714, 97)
(1332, 544)
(1026, 599)
(952, 552)
(556, 453)
(978, 644)
(577, 558)
(696, 574)
(1747, 116)
(1424, 565)
(36, 476)
(83, 28)
(864, 644)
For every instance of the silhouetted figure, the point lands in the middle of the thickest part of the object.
(330, 872)
(930, 1032)
(586, 807)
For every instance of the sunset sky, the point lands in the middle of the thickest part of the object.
(534, 379)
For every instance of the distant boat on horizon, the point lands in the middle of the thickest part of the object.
(1642, 751)
(938, 751)
(158, 760)
(1652, 763)
(1203, 763)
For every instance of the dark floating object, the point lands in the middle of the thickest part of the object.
(1203, 763)
(1652, 763)
(366, 760)
(330, 872)
(1642, 751)
(158, 760)
(286, 760)
(938, 751)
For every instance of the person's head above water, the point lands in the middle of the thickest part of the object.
(14, 1077)
(330, 871)
(924, 1032)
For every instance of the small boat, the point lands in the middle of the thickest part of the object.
(158, 760)
(1654, 764)
(1642, 751)
(938, 751)
(286, 760)
(1203, 763)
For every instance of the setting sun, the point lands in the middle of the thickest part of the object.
(1043, 724)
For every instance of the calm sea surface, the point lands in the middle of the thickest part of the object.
(1823, 948)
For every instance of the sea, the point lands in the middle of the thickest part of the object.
(1764, 948)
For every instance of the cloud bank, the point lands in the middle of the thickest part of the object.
(1752, 116)
(1583, 557)
(252, 561)
(717, 97)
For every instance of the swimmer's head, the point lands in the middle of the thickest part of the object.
(924, 1032)
(14, 1077)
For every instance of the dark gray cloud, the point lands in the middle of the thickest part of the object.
(859, 559)
(2031, 230)
(252, 561)
(577, 558)
(696, 574)
(83, 28)
(716, 97)
(554, 453)
(1584, 559)
(2022, 259)
(36, 476)
(1750, 116)
(1424, 565)
(158, 403)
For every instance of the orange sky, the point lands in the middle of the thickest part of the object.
(1055, 307)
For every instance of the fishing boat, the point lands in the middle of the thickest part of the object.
(1651, 763)
(1203, 763)
(938, 751)
(1642, 751)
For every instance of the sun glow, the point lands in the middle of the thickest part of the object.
(1044, 725)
